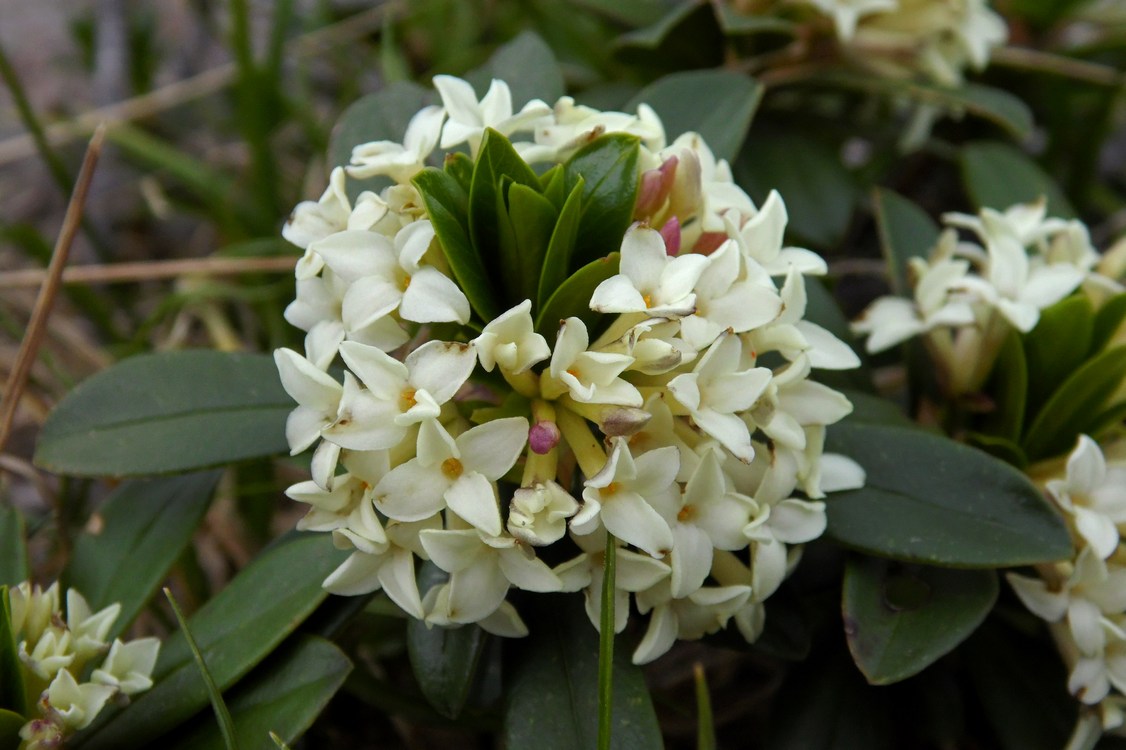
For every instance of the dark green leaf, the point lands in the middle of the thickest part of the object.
(235, 630)
(444, 660)
(283, 695)
(529, 68)
(928, 499)
(498, 166)
(553, 697)
(875, 410)
(1108, 323)
(460, 167)
(736, 23)
(557, 259)
(999, 447)
(608, 167)
(824, 704)
(12, 696)
(688, 36)
(13, 547)
(168, 412)
(999, 175)
(900, 619)
(906, 231)
(1077, 406)
(629, 12)
(1021, 684)
(10, 725)
(819, 191)
(1057, 346)
(717, 104)
(572, 298)
(447, 205)
(1008, 386)
(145, 525)
(532, 219)
(996, 105)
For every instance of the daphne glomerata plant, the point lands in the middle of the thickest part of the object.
(572, 334)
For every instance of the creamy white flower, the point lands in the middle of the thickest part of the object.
(317, 395)
(718, 193)
(590, 377)
(651, 281)
(88, 629)
(128, 666)
(760, 240)
(538, 514)
(1093, 495)
(707, 610)
(623, 494)
(397, 394)
(400, 161)
(633, 572)
(510, 341)
(76, 705)
(572, 126)
(315, 220)
(458, 473)
(717, 390)
(481, 568)
(468, 118)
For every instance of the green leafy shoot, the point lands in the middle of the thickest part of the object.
(222, 715)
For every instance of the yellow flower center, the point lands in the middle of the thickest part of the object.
(452, 468)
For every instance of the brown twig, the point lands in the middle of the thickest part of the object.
(36, 327)
(189, 89)
(122, 273)
(1047, 62)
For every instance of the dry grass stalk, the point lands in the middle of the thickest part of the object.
(37, 326)
(118, 273)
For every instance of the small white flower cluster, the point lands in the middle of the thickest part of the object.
(937, 39)
(1085, 598)
(967, 296)
(702, 448)
(55, 651)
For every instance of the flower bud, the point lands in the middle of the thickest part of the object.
(543, 436)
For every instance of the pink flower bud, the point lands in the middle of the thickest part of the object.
(543, 436)
(656, 184)
(670, 233)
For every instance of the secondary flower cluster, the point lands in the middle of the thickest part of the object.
(56, 650)
(1085, 598)
(933, 39)
(678, 423)
(967, 295)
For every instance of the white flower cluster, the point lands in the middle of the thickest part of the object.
(1085, 598)
(967, 295)
(700, 448)
(938, 39)
(55, 651)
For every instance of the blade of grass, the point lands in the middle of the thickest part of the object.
(278, 741)
(606, 645)
(37, 326)
(705, 721)
(222, 715)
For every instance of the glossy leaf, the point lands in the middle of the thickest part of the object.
(10, 725)
(1008, 386)
(532, 219)
(999, 175)
(876, 410)
(1077, 406)
(143, 528)
(1057, 346)
(906, 231)
(608, 167)
(1108, 327)
(1003, 448)
(529, 68)
(460, 167)
(496, 161)
(735, 23)
(235, 630)
(12, 695)
(553, 696)
(444, 660)
(901, 619)
(13, 547)
(447, 205)
(717, 104)
(820, 193)
(561, 247)
(283, 695)
(572, 298)
(824, 704)
(168, 412)
(928, 499)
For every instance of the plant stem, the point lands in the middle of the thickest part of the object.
(606, 646)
